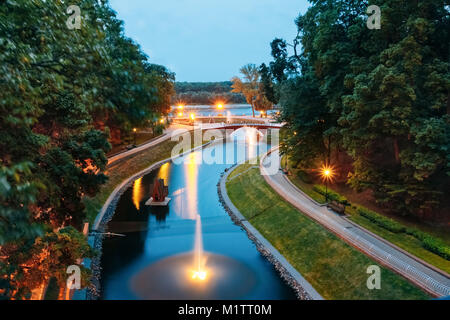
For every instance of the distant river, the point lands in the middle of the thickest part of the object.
(211, 110)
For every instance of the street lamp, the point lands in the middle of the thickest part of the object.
(134, 131)
(327, 174)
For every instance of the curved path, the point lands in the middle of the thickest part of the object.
(420, 273)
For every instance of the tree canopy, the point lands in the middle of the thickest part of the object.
(63, 91)
(375, 103)
(252, 88)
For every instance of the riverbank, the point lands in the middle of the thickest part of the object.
(295, 280)
(334, 268)
(121, 177)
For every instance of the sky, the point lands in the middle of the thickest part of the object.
(208, 40)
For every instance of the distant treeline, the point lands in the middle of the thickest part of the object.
(206, 93)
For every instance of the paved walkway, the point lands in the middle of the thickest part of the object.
(436, 283)
(166, 136)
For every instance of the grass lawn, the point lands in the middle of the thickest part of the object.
(403, 240)
(125, 169)
(335, 269)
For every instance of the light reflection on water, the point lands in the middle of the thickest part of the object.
(137, 193)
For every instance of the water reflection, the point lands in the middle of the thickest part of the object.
(164, 172)
(137, 193)
(191, 191)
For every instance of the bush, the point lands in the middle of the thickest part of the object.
(436, 246)
(333, 196)
(419, 235)
(158, 130)
(381, 221)
(304, 177)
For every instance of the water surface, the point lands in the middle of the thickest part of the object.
(153, 260)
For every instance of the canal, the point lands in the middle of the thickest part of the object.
(154, 258)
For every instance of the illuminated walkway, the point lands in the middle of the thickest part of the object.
(417, 271)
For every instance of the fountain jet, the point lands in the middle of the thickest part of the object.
(199, 272)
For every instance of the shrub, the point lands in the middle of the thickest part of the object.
(381, 221)
(436, 246)
(419, 235)
(333, 196)
(304, 177)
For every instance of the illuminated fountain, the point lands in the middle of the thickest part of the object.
(199, 262)
(195, 275)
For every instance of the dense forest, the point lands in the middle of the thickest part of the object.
(373, 103)
(205, 93)
(64, 92)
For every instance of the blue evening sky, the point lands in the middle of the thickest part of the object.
(208, 40)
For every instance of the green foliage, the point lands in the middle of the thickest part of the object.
(333, 196)
(436, 246)
(304, 177)
(63, 92)
(252, 88)
(206, 93)
(16, 193)
(381, 221)
(380, 97)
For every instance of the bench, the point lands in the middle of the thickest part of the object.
(337, 207)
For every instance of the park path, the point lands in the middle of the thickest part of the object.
(165, 136)
(428, 278)
(169, 132)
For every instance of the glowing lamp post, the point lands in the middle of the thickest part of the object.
(134, 131)
(327, 174)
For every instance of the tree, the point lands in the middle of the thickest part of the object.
(60, 88)
(382, 97)
(251, 88)
(267, 85)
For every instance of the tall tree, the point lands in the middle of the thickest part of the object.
(251, 88)
(383, 97)
(56, 86)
